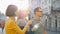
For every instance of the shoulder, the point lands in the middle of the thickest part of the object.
(9, 22)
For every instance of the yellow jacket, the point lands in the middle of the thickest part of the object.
(12, 28)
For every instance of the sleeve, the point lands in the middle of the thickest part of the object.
(15, 27)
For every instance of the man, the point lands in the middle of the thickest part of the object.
(37, 27)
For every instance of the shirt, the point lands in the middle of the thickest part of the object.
(12, 28)
(40, 29)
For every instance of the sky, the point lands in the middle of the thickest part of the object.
(4, 4)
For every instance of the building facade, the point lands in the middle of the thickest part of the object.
(52, 9)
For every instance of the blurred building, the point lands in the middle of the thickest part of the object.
(46, 6)
(2, 17)
(52, 9)
(55, 11)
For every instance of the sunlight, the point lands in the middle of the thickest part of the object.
(21, 4)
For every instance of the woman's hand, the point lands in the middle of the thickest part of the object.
(32, 29)
(29, 23)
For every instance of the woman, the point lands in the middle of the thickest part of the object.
(11, 26)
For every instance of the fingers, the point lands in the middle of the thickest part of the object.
(29, 22)
(32, 29)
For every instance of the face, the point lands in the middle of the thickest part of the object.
(39, 12)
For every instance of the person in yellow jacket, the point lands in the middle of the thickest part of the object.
(11, 27)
